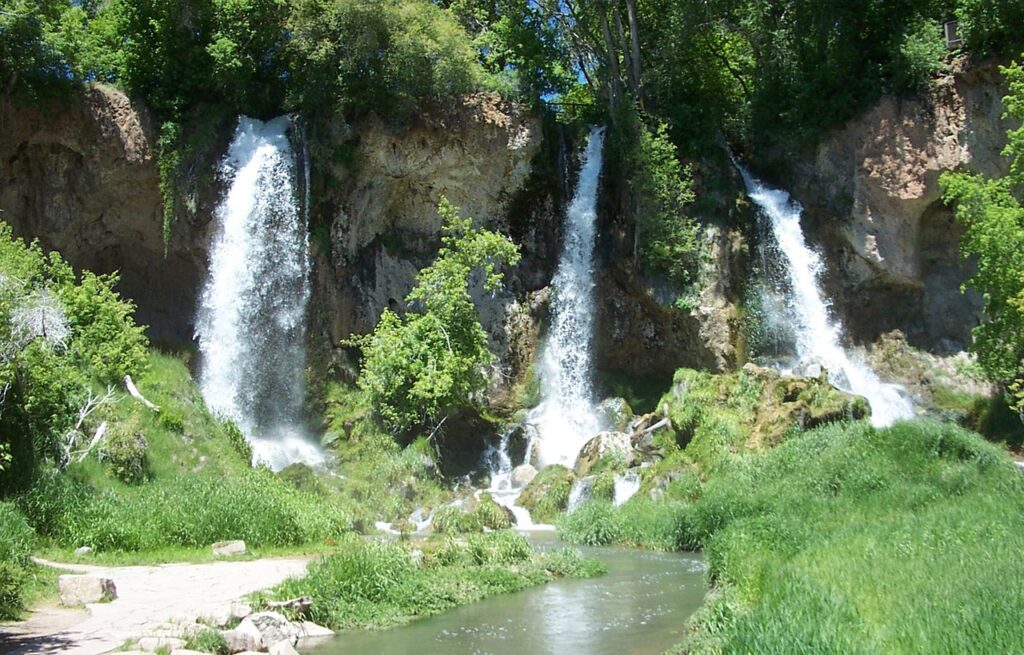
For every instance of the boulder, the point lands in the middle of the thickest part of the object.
(310, 630)
(522, 475)
(274, 628)
(547, 494)
(605, 443)
(83, 551)
(82, 589)
(228, 548)
(243, 638)
(615, 414)
(283, 648)
(151, 644)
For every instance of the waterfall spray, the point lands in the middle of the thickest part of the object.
(251, 323)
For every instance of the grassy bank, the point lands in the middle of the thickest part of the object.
(848, 539)
(372, 585)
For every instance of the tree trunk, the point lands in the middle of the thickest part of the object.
(612, 56)
(634, 35)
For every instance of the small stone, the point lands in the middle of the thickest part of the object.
(83, 551)
(283, 648)
(227, 548)
(150, 644)
(81, 589)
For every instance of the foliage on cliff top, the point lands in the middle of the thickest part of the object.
(992, 214)
(419, 367)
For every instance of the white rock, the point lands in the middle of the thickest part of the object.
(150, 644)
(84, 550)
(521, 475)
(82, 589)
(283, 648)
(273, 627)
(245, 637)
(310, 630)
(225, 548)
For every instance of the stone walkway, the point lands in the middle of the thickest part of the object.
(147, 596)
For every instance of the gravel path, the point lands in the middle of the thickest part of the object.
(147, 596)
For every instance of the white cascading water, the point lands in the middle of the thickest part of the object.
(627, 484)
(503, 489)
(565, 419)
(818, 335)
(251, 322)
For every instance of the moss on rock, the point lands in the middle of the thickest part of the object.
(547, 495)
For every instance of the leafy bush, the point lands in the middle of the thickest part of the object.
(125, 453)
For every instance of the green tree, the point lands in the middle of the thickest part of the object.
(59, 336)
(993, 218)
(421, 366)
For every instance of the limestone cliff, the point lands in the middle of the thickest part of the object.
(873, 201)
(81, 176)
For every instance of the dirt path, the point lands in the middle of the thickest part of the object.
(147, 596)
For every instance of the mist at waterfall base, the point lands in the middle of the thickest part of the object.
(796, 301)
(251, 322)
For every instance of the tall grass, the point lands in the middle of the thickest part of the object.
(380, 584)
(850, 539)
(188, 511)
(16, 542)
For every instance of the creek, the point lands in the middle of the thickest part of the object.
(639, 608)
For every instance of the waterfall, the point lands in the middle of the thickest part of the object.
(817, 334)
(503, 487)
(565, 419)
(251, 322)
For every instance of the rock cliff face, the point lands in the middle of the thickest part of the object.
(378, 208)
(81, 177)
(874, 203)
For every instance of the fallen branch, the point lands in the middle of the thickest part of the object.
(657, 426)
(134, 393)
(101, 431)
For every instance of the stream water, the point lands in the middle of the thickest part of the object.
(639, 608)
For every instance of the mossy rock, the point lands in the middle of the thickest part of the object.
(547, 495)
(615, 414)
(473, 516)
